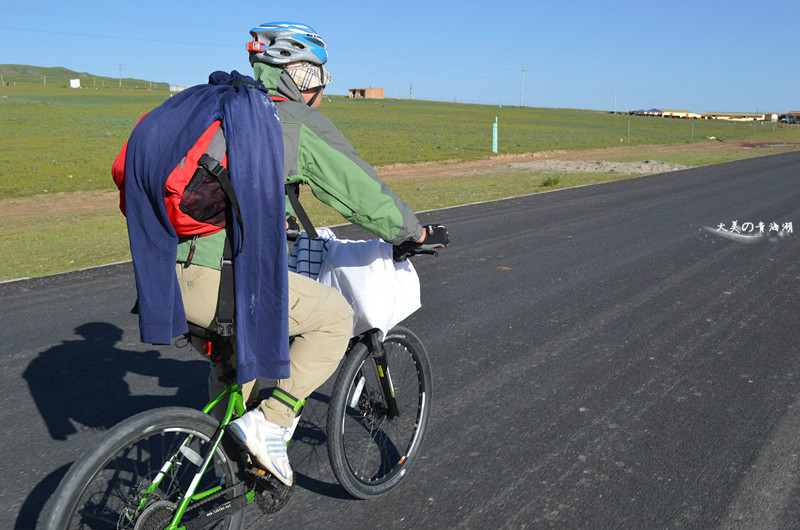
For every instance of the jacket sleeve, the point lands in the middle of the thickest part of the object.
(319, 155)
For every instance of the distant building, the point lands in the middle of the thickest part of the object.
(178, 88)
(366, 93)
(74, 83)
(734, 116)
(680, 114)
(662, 113)
(793, 116)
(730, 116)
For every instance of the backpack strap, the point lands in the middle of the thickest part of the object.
(292, 193)
(225, 299)
(213, 166)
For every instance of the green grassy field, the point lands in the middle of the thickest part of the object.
(57, 140)
(61, 139)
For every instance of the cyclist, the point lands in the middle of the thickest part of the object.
(287, 59)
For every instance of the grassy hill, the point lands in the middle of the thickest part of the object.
(58, 76)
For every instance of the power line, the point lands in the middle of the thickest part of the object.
(122, 37)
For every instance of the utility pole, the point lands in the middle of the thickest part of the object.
(120, 75)
(522, 94)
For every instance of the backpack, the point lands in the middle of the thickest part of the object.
(198, 191)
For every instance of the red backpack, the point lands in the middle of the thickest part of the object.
(194, 198)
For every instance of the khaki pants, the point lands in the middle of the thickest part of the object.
(320, 322)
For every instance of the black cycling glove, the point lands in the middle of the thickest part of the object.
(436, 238)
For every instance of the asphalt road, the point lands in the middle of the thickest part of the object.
(600, 361)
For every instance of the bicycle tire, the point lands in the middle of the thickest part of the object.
(370, 454)
(103, 488)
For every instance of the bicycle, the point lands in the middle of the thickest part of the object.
(176, 467)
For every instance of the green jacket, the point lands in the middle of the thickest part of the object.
(317, 154)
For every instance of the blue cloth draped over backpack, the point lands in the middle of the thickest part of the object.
(255, 161)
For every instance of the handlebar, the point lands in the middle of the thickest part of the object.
(430, 246)
(409, 249)
(417, 252)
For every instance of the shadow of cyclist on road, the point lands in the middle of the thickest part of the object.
(89, 381)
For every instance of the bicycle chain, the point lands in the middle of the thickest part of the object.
(268, 503)
(198, 507)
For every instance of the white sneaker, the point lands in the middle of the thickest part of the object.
(266, 441)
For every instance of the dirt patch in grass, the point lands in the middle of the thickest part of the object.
(592, 160)
(644, 167)
(51, 205)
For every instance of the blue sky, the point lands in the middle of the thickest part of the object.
(696, 55)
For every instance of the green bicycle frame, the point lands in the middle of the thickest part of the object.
(235, 405)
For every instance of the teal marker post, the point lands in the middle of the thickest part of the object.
(494, 135)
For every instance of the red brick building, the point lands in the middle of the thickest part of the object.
(366, 93)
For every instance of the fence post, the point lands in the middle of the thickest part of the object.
(494, 135)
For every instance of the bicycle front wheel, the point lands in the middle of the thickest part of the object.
(133, 476)
(370, 447)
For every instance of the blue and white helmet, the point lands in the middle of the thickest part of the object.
(280, 43)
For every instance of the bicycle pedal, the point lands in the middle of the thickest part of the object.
(271, 493)
(266, 479)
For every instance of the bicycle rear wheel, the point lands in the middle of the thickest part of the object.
(371, 451)
(111, 485)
